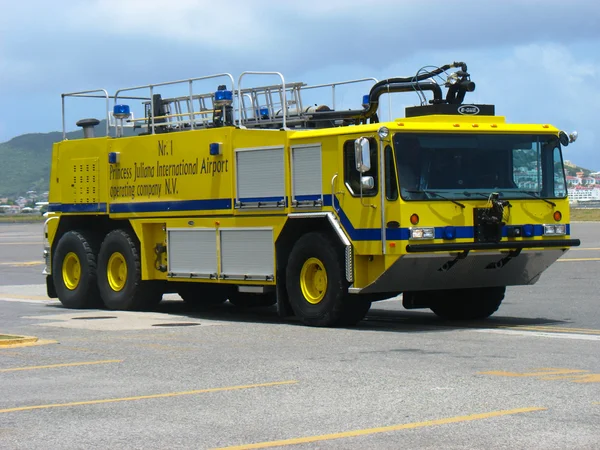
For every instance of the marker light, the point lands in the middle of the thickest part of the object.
(414, 219)
(214, 148)
(422, 233)
(121, 111)
(557, 216)
(527, 230)
(449, 232)
(383, 132)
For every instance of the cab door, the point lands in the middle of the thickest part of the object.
(359, 193)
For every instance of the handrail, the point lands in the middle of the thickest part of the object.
(339, 83)
(168, 83)
(81, 94)
(333, 192)
(283, 94)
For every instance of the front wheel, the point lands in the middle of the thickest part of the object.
(120, 275)
(317, 286)
(468, 304)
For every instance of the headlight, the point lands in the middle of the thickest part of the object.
(555, 230)
(422, 233)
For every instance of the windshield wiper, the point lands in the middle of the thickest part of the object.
(536, 194)
(435, 194)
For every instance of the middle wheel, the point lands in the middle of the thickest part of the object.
(120, 277)
(317, 286)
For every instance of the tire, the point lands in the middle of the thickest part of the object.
(74, 270)
(317, 286)
(202, 294)
(250, 300)
(469, 304)
(120, 276)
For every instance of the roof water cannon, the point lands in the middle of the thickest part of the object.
(458, 84)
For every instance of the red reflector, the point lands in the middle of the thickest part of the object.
(414, 219)
(557, 216)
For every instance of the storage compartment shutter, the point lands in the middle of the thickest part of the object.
(306, 175)
(260, 177)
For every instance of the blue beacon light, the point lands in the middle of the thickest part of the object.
(365, 101)
(121, 111)
(223, 96)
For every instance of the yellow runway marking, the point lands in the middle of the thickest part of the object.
(551, 374)
(367, 431)
(29, 344)
(147, 397)
(542, 373)
(24, 297)
(577, 259)
(22, 263)
(53, 366)
(552, 329)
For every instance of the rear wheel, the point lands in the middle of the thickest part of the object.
(120, 276)
(317, 286)
(74, 270)
(202, 294)
(468, 304)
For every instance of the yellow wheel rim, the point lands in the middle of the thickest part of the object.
(71, 271)
(313, 280)
(117, 271)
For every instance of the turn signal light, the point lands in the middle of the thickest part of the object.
(414, 219)
(557, 216)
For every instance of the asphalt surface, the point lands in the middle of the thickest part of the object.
(181, 378)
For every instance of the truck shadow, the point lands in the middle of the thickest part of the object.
(378, 319)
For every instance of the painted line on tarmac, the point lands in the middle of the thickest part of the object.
(582, 249)
(575, 336)
(148, 397)
(387, 429)
(577, 259)
(21, 243)
(552, 329)
(54, 366)
(29, 344)
(22, 263)
(26, 298)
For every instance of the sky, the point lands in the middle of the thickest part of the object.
(538, 61)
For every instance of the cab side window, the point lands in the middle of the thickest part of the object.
(352, 176)
(391, 181)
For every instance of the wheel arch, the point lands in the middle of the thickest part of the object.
(296, 226)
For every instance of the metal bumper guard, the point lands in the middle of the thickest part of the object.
(490, 264)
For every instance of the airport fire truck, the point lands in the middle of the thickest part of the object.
(249, 194)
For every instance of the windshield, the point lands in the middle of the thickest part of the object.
(464, 166)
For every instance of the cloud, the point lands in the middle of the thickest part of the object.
(536, 60)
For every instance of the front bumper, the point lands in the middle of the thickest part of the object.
(468, 265)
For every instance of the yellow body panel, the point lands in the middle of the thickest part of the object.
(170, 180)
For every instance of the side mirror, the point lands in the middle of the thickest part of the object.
(362, 152)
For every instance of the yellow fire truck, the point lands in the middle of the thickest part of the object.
(250, 195)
